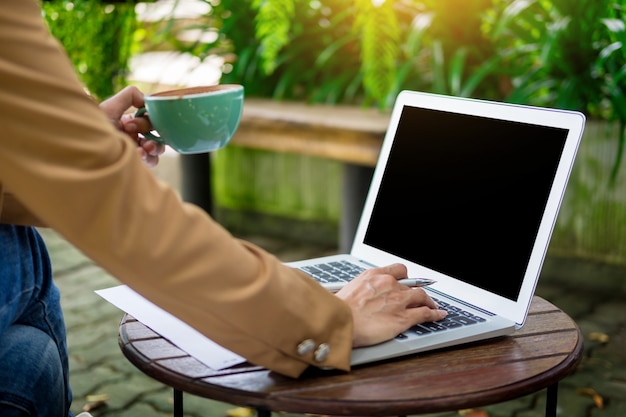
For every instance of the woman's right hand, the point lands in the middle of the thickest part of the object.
(382, 308)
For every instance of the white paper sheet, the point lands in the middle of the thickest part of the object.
(171, 328)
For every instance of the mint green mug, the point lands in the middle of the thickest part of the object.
(195, 119)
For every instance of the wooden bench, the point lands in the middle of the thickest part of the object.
(348, 134)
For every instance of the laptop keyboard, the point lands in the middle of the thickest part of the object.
(457, 317)
(344, 271)
(336, 271)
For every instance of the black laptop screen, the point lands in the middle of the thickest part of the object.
(464, 195)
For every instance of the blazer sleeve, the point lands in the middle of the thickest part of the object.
(70, 168)
(14, 212)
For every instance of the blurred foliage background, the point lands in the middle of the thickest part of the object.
(560, 53)
(566, 54)
(555, 53)
(99, 38)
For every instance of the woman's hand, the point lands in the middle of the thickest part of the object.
(382, 308)
(116, 107)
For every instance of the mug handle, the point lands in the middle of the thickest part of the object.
(141, 112)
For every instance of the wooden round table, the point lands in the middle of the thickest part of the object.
(544, 351)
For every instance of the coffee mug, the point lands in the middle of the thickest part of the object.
(195, 119)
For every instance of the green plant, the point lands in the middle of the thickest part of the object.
(555, 53)
(350, 51)
(554, 48)
(463, 59)
(611, 68)
(566, 54)
(98, 38)
(292, 49)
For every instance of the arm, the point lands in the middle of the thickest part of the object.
(70, 167)
(14, 212)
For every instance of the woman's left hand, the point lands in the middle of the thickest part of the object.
(116, 107)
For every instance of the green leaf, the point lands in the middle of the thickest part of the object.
(456, 70)
(273, 23)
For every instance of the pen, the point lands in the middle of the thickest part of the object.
(409, 282)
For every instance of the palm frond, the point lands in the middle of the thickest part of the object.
(380, 40)
(273, 24)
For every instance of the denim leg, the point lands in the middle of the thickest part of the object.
(34, 376)
(37, 387)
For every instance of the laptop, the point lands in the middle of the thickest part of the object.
(465, 192)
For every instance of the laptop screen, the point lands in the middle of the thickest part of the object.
(464, 195)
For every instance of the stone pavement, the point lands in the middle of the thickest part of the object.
(592, 294)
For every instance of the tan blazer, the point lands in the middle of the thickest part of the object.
(64, 165)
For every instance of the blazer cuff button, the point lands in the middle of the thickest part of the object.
(321, 353)
(306, 346)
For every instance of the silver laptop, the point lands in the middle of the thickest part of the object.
(465, 192)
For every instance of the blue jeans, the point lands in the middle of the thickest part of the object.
(34, 377)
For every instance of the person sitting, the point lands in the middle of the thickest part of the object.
(72, 165)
